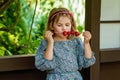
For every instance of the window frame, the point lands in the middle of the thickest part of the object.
(17, 62)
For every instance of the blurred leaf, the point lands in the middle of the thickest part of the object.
(2, 51)
(2, 25)
(9, 53)
(80, 28)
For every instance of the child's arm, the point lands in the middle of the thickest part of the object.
(88, 51)
(44, 56)
(49, 51)
(41, 62)
(50, 42)
(84, 54)
(87, 47)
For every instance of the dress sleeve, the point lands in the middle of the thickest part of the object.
(40, 62)
(83, 62)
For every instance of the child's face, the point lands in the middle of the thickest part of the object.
(63, 24)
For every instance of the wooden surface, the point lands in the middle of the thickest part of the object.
(110, 71)
(22, 68)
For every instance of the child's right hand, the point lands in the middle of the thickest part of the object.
(49, 36)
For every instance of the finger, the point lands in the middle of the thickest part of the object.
(87, 34)
(49, 35)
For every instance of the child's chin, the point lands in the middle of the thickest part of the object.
(62, 36)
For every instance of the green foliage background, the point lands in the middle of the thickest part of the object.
(17, 20)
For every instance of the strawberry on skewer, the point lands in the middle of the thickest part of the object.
(77, 33)
(68, 32)
(65, 33)
(72, 32)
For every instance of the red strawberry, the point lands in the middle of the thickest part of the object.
(77, 33)
(65, 33)
(68, 33)
(72, 32)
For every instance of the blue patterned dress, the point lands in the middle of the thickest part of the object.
(68, 59)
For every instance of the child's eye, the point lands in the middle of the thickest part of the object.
(67, 25)
(59, 25)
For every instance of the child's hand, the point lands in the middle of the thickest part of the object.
(87, 36)
(49, 36)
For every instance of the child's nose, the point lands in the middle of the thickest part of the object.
(64, 27)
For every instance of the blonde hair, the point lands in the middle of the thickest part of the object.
(54, 16)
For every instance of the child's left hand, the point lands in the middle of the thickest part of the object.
(87, 36)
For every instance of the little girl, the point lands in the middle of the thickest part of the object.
(63, 55)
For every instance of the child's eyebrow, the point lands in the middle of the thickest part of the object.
(59, 23)
(68, 23)
(65, 23)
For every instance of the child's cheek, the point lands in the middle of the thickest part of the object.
(59, 31)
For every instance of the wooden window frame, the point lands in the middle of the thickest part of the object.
(18, 62)
(92, 24)
(110, 55)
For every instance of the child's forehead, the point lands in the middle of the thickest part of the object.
(63, 20)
